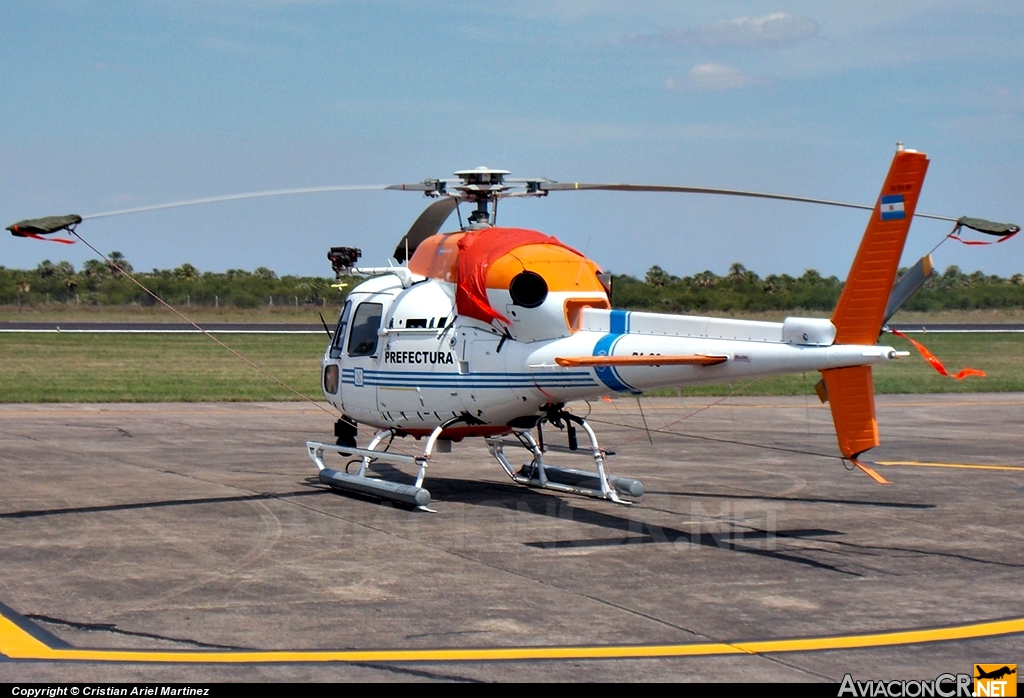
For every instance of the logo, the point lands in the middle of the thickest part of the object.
(943, 686)
(995, 680)
(357, 377)
(418, 357)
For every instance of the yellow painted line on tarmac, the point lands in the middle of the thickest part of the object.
(965, 466)
(889, 639)
(16, 643)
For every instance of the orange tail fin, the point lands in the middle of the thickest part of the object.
(851, 394)
(861, 309)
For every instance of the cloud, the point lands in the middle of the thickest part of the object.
(771, 31)
(715, 78)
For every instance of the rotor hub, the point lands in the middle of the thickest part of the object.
(481, 185)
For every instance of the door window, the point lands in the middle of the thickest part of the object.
(363, 338)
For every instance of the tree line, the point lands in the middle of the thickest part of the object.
(740, 289)
(103, 283)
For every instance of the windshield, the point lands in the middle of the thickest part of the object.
(338, 340)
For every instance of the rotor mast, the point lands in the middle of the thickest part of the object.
(482, 186)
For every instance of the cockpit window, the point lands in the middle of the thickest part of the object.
(338, 341)
(363, 338)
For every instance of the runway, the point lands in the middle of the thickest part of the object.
(313, 328)
(192, 542)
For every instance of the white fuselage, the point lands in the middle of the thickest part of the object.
(429, 366)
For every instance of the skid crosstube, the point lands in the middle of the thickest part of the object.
(539, 474)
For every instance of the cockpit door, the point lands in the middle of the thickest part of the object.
(361, 366)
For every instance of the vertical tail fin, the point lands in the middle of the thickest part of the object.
(861, 309)
(851, 395)
(860, 312)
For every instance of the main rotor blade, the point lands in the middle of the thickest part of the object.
(909, 284)
(428, 223)
(237, 197)
(574, 186)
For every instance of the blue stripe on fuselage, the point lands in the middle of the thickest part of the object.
(619, 326)
(514, 381)
(619, 321)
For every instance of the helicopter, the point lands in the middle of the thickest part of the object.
(490, 332)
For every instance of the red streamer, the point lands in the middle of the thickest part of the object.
(956, 236)
(936, 364)
(40, 237)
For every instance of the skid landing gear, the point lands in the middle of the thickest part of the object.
(539, 474)
(410, 495)
(360, 483)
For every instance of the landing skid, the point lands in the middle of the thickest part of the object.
(360, 483)
(537, 473)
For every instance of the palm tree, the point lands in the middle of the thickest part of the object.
(186, 272)
(46, 269)
(705, 279)
(95, 268)
(117, 263)
(656, 276)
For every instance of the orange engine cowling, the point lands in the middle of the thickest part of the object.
(522, 280)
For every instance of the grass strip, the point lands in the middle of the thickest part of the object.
(82, 367)
(65, 367)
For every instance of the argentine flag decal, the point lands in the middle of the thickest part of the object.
(892, 208)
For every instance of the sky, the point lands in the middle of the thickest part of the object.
(110, 105)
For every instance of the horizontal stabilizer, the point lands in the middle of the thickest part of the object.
(693, 360)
